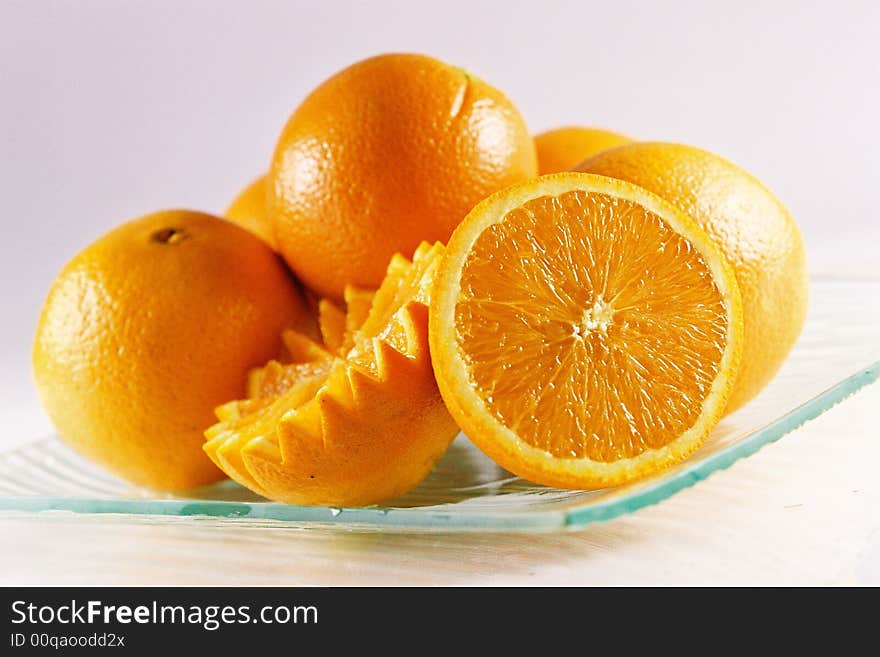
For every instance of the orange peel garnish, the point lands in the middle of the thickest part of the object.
(354, 419)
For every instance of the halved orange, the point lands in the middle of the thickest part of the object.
(584, 332)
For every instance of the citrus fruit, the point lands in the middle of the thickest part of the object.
(387, 153)
(584, 332)
(248, 210)
(755, 232)
(150, 327)
(561, 149)
(353, 419)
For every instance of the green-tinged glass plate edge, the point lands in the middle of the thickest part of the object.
(723, 459)
(459, 518)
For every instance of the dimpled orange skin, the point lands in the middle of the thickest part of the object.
(755, 231)
(564, 148)
(248, 210)
(147, 330)
(387, 153)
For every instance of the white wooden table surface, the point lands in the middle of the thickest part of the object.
(805, 510)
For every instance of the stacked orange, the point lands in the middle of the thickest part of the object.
(584, 328)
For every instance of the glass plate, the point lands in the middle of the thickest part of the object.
(838, 353)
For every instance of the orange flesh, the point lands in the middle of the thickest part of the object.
(278, 380)
(589, 327)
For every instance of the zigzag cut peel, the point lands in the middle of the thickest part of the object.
(356, 419)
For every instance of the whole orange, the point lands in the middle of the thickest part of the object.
(387, 153)
(148, 329)
(755, 231)
(563, 148)
(248, 210)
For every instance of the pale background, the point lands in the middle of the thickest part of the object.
(109, 110)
